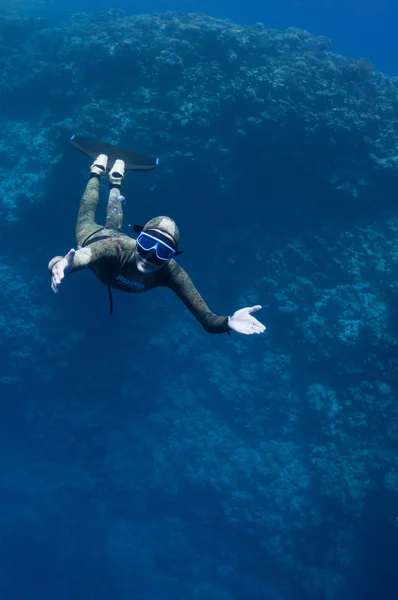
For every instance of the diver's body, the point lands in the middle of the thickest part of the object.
(121, 263)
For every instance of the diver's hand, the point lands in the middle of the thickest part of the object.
(61, 268)
(243, 322)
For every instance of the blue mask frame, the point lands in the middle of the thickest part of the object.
(157, 245)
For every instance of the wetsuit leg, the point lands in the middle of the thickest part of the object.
(86, 224)
(114, 211)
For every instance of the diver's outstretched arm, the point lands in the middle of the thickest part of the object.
(241, 321)
(60, 268)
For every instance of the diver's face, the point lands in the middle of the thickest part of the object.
(144, 266)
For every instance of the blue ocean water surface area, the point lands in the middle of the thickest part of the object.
(143, 457)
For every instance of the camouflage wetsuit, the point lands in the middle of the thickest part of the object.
(110, 254)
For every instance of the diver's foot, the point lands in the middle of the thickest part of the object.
(99, 165)
(116, 174)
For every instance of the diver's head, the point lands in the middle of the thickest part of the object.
(157, 243)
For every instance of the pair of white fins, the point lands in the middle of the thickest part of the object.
(133, 161)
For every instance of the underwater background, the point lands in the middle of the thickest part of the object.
(141, 457)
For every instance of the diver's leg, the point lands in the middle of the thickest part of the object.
(114, 211)
(86, 224)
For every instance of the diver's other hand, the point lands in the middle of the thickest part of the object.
(243, 322)
(61, 268)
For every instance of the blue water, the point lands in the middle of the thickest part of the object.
(141, 457)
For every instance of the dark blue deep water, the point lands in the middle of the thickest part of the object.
(142, 457)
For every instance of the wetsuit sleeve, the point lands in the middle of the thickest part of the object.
(90, 255)
(179, 281)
